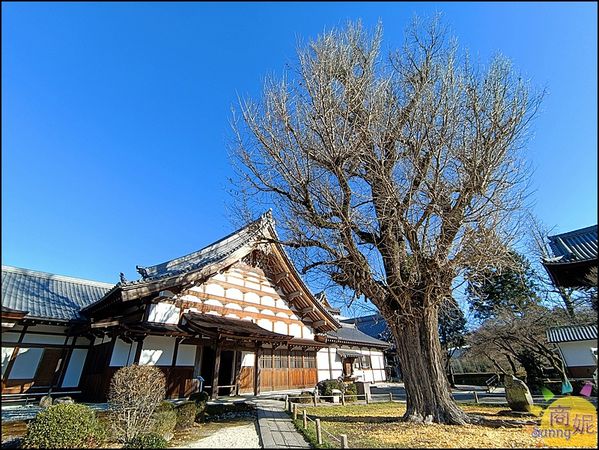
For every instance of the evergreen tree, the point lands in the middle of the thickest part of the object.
(513, 288)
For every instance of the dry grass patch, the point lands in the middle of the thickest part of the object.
(378, 426)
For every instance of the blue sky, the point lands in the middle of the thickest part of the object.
(115, 117)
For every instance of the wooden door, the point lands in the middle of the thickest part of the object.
(47, 370)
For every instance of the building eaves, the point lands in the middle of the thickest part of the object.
(572, 333)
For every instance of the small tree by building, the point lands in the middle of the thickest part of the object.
(135, 393)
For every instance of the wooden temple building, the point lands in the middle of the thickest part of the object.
(235, 317)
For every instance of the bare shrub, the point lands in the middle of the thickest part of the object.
(135, 393)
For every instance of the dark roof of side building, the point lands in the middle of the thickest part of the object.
(47, 296)
(348, 334)
(572, 333)
(373, 325)
(573, 246)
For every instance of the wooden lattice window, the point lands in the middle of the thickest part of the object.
(280, 359)
(296, 359)
(266, 360)
(310, 360)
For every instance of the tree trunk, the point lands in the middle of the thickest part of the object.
(427, 389)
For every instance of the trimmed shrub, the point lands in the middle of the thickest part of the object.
(135, 393)
(325, 387)
(201, 400)
(149, 440)
(186, 415)
(165, 419)
(304, 397)
(350, 389)
(66, 425)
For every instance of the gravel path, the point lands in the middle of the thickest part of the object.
(243, 436)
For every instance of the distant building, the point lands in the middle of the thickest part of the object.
(577, 345)
(574, 254)
(374, 325)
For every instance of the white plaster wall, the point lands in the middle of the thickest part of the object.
(322, 362)
(280, 327)
(234, 294)
(123, 354)
(186, 355)
(267, 301)
(26, 363)
(157, 351)
(6, 354)
(214, 289)
(578, 353)
(164, 313)
(43, 339)
(247, 359)
(265, 323)
(10, 337)
(295, 330)
(308, 334)
(252, 297)
(74, 368)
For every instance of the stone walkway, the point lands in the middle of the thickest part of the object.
(275, 426)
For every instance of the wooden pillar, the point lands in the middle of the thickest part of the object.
(140, 344)
(216, 369)
(67, 353)
(197, 365)
(257, 370)
(237, 358)
(331, 364)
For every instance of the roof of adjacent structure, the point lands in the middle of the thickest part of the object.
(572, 333)
(47, 296)
(373, 325)
(227, 326)
(349, 334)
(573, 246)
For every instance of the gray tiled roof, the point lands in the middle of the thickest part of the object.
(373, 325)
(351, 334)
(572, 333)
(48, 296)
(574, 246)
(210, 254)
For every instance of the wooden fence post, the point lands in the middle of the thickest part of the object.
(305, 417)
(286, 402)
(314, 398)
(390, 396)
(343, 399)
(294, 411)
(367, 398)
(344, 441)
(475, 397)
(318, 432)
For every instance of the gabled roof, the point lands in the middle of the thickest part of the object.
(350, 335)
(572, 333)
(573, 246)
(200, 265)
(47, 296)
(324, 301)
(210, 254)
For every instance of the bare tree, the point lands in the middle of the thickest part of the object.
(520, 339)
(391, 175)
